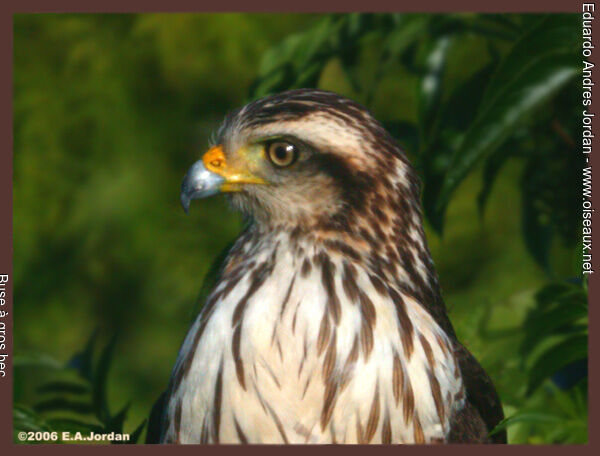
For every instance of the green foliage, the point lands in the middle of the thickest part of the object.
(553, 417)
(555, 337)
(74, 399)
(559, 324)
(110, 110)
(458, 127)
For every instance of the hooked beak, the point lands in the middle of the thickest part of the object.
(211, 175)
(199, 183)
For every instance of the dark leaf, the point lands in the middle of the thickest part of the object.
(63, 404)
(456, 114)
(84, 360)
(503, 21)
(36, 360)
(406, 134)
(74, 425)
(555, 358)
(296, 61)
(430, 88)
(26, 419)
(115, 423)
(550, 35)
(497, 120)
(551, 323)
(99, 383)
(404, 36)
(527, 417)
(561, 310)
(135, 435)
(537, 228)
(154, 421)
(465, 101)
(65, 387)
(550, 293)
(492, 167)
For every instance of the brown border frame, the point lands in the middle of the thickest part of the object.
(122, 6)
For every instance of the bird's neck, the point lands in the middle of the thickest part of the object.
(397, 257)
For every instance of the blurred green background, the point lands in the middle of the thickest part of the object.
(110, 111)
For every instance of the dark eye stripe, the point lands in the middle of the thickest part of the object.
(353, 183)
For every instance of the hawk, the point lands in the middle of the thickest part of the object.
(326, 324)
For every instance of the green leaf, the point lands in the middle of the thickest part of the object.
(512, 95)
(36, 360)
(116, 422)
(569, 402)
(527, 417)
(297, 60)
(550, 34)
(155, 418)
(561, 292)
(26, 419)
(537, 230)
(550, 293)
(99, 383)
(406, 134)
(570, 433)
(83, 361)
(74, 425)
(398, 45)
(546, 325)
(430, 88)
(537, 83)
(456, 115)
(504, 22)
(63, 404)
(314, 42)
(555, 358)
(135, 435)
(561, 310)
(464, 102)
(65, 387)
(492, 167)
(404, 34)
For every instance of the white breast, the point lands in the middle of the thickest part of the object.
(306, 377)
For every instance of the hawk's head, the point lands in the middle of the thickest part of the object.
(309, 160)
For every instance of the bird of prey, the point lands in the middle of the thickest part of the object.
(326, 324)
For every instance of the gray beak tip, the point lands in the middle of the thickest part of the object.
(185, 197)
(185, 204)
(199, 183)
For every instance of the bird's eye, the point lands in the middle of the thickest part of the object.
(281, 154)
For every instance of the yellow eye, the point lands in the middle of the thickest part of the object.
(281, 153)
